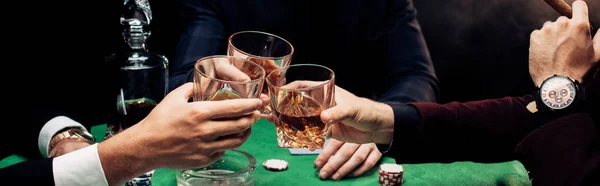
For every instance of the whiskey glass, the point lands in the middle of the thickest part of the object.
(299, 93)
(223, 77)
(268, 50)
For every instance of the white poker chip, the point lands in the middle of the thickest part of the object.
(275, 165)
(391, 168)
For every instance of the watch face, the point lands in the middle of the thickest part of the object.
(558, 92)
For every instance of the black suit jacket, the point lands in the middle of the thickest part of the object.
(28, 121)
(375, 48)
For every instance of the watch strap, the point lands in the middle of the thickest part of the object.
(71, 133)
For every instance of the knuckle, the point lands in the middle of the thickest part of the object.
(562, 20)
(377, 153)
(353, 112)
(369, 164)
(205, 132)
(321, 157)
(360, 157)
(371, 147)
(547, 23)
(243, 124)
(346, 154)
(328, 168)
(533, 34)
(236, 108)
(342, 172)
(199, 111)
(581, 25)
(202, 149)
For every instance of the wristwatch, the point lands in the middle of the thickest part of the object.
(560, 93)
(72, 133)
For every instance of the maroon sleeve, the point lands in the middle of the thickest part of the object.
(484, 131)
(565, 151)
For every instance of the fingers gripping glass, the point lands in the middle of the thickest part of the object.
(299, 93)
(227, 77)
(268, 50)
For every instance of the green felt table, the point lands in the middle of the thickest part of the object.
(262, 145)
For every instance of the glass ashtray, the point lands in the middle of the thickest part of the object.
(235, 168)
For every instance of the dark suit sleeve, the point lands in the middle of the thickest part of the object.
(565, 151)
(26, 122)
(410, 76)
(202, 35)
(34, 172)
(483, 131)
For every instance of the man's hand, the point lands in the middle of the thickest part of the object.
(353, 119)
(66, 146)
(564, 47)
(179, 134)
(359, 120)
(196, 134)
(339, 159)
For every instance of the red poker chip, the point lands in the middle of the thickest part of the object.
(275, 165)
(391, 174)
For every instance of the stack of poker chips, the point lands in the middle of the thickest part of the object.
(391, 174)
(143, 180)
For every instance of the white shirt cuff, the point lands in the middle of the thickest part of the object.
(80, 167)
(51, 128)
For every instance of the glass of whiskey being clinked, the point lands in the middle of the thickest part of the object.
(226, 77)
(298, 94)
(268, 50)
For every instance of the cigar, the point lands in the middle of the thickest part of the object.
(561, 7)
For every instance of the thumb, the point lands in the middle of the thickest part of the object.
(337, 114)
(597, 46)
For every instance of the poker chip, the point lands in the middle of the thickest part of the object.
(391, 174)
(147, 175)
(139, 182)
(275, 165)
(142, 180)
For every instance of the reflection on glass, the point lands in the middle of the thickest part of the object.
(227, 77)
